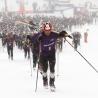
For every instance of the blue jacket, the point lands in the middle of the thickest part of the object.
(46, 43)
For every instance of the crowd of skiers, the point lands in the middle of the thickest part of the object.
(42, 45)
(8, 21)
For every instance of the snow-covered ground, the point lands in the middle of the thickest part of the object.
(76, 79)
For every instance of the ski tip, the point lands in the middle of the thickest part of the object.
(52, 89)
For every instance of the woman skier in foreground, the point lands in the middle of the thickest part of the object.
(47, 52)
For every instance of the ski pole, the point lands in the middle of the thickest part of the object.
(30, 65)
(83, 57)
(57, 63)
(37, 78)
(38, 66)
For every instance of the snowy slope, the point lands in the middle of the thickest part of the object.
(76, 79)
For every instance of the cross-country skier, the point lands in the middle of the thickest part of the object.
(76, 39)
(47, 41)
(86, 36)
(10, 42)
(26, 47)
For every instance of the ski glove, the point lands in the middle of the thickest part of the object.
(63, 34)
(70, 36)
(39, 38)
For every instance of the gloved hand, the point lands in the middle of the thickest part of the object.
(70, 36)
(39, 38)
(63, 34)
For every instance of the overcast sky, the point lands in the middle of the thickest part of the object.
(13, 4)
